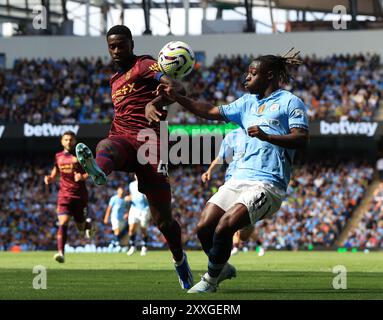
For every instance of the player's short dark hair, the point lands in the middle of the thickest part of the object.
(120, 29)
(279, 65)
(68, 133)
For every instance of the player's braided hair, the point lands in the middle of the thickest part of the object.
(279, 65)
(120, 29)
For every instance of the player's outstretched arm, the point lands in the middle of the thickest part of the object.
(153, 108)
(50, 178)
(296, 139)
(202, 109)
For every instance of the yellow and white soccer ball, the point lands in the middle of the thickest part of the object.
(176, 59)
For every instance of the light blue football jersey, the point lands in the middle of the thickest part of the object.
(233, 148)
(118, 207)
(139, 200)
(275, 114)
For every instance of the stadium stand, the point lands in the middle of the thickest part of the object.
(369, 232)
(321, 199)
(343, 87)
(62, 91)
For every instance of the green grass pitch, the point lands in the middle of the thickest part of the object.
(277, 275)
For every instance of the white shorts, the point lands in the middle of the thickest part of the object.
(262, 199)
(118, 224)
(139, 216)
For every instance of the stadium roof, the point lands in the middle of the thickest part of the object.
(21, 11)
(363, 7)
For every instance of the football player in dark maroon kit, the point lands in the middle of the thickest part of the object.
(72, 196)
(132, 88)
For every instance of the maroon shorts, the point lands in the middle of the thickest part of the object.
(76, 208)
(143, 158)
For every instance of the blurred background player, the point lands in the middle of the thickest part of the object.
(139, 217)
(117, 212)
(241, 238)
(72, 199)
(132, 88)
(232, 150)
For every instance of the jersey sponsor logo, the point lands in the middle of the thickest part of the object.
(2, 128)
(348, 128)
(66, 168)
(124, 91)
(48, 130)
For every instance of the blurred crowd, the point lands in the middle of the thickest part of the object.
(56, 91)
(320, 201)
(369, 231)
(340, 87)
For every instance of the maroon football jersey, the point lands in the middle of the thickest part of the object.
(67, 164)
(131, 91)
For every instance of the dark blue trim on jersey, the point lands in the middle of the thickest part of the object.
(222, 112)
(159, 75)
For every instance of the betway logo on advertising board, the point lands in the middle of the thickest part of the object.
(348, 128)
(48, 130)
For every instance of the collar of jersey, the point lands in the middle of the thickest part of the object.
(123, 70)
(269, 96)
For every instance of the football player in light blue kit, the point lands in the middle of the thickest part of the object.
(276, 120)
(139, 216)
(117, 211)
(232, 150)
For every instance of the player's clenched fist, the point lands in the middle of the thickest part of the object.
(206, 176)
(257, 132)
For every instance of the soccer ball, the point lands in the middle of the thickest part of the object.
(176, 59)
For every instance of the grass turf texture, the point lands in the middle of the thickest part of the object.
(277, 275)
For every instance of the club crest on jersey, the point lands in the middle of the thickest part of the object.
(274, 107)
